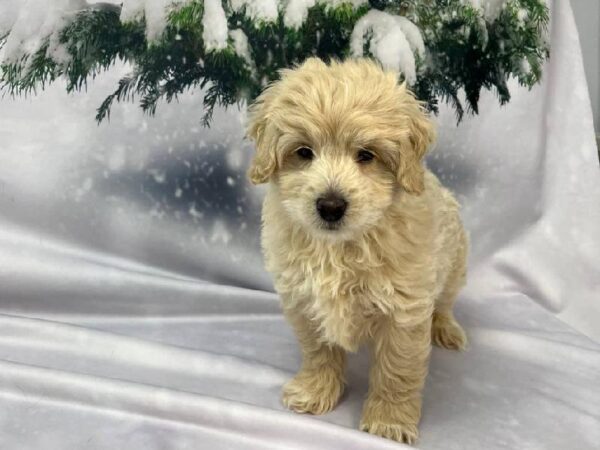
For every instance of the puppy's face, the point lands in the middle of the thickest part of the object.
(339, 142)
(335, 186)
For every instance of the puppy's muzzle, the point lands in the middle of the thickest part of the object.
(331, 207)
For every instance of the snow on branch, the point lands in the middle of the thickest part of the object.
(491, 8)
(241, 46)
(233, 48)
(214, 23)
(265, 10)
(393, 40)
(296, 11)
(153, 11)
(31, 23)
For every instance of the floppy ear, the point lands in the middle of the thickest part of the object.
(264, 163)
(411, 173)
(264, 133)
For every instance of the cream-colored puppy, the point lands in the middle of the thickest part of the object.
(363, 242)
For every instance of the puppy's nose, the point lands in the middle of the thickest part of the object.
(331, 207)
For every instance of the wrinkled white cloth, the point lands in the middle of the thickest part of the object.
(135, 312)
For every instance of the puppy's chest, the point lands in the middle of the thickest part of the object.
(336, 299)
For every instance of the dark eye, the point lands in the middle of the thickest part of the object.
(364, 156)
(305, 153)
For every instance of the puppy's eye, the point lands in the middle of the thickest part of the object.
(305, 153)
(364, 156)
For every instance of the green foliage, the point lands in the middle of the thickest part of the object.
(469, 53)
(464, 52)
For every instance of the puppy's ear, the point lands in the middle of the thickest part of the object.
(264, 162)
(411, 173)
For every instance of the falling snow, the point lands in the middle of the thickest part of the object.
(158, 175)
(195, 213)
(220, 233)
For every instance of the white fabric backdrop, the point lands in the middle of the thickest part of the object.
(135, 312)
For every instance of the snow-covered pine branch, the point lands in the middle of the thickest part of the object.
(232, 48)
(392, 39)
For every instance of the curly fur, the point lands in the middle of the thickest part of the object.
(389, 273)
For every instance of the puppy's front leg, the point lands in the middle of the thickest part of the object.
(319, 384)
(399, 368)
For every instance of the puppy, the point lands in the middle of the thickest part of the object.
(364, 244)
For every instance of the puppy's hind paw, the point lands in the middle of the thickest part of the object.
(401, 432)
(447, 333)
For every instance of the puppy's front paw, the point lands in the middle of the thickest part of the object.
(447, 333)
(401, 432)
(397, 421)
(314, 392)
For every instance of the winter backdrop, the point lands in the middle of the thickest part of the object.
(135, 311)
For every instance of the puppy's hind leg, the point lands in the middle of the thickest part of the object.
(445, 330)
(319, 384)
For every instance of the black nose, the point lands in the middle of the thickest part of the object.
(331, 207)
